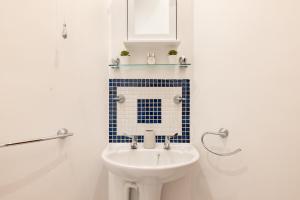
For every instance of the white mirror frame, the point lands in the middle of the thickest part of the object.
(132, 36)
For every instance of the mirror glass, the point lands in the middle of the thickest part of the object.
(151, 19)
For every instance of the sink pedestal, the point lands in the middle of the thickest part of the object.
(150, 191)
(146, 190)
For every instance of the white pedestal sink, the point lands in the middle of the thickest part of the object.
(149, 169)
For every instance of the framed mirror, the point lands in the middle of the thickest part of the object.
(151, 20)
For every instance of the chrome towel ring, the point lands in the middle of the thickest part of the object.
(223, 133)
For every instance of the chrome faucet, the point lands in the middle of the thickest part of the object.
(168, 141)
(134, 142)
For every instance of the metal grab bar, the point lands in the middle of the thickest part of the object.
(223, 133)
(61, 134)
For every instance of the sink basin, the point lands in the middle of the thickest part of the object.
(149, 169)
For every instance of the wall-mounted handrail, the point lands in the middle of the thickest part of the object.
(61, 134)
(223, 133)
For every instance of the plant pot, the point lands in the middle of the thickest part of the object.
(124, 60)
(173, 59)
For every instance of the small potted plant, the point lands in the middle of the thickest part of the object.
(173, 57)
(125, 55)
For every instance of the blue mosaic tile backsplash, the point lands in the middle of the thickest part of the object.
(149, 110)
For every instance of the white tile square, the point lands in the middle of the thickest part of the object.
(171, 121)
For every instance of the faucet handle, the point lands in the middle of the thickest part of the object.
(134, 141)
(129, 136)
(167, 141)
(171, 136)
(134, 138)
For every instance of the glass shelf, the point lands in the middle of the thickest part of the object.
(148, 65)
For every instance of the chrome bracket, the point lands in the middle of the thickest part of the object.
(120, 98)
(178, 99)
(115, 63)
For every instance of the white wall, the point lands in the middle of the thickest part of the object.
(43, 89)
(247, 79)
